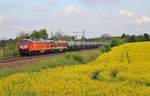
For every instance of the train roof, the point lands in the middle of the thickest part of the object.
(43, 40)
(38, 40)
(60, 41)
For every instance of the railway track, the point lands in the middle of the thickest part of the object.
(13, 59)
(20, 61)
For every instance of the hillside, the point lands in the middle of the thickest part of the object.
(124, 71)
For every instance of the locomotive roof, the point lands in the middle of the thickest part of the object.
(38, 40)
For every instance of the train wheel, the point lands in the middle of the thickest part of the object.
(21, 54)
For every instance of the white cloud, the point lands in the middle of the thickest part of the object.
(71, 11)
(126, 13)
(97, 2)
(138, 19)
(2, 19)
(144, 19)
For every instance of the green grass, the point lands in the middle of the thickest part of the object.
(9, 51)
(68, 59)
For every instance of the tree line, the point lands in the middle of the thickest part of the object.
(34, 34)
(125, 38)
(42, 34)
(135, 38)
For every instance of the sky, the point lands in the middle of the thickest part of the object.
(96, 17)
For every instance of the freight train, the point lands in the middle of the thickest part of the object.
(28, 47)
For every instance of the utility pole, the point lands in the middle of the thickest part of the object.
(83, 34)
(51, 33)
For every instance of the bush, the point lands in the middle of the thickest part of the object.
(116, 42)
(78, 58)
(108, 47)
(105, 48)
(96, 75)
(113, 73)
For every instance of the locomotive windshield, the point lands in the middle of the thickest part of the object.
(24, 42)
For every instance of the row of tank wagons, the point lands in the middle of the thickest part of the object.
(82, 45)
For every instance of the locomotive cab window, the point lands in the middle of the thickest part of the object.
(24, 42)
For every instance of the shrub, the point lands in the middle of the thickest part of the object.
(113, 73)
(105, 48)
(116, 42)
(76, 57)
(79, 58)
(95, 75)
(68, 56)
(108, 47)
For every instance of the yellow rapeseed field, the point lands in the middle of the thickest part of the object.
(124, 71)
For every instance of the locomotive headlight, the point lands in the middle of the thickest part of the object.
(23, 46)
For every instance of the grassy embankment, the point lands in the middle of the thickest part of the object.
(68, 59)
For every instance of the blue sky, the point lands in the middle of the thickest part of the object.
(97, 17)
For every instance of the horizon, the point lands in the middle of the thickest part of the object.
(96, 17)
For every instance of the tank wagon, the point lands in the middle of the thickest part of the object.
(27, 47)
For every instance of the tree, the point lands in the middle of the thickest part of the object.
(106, 37)
(23, 35)
(56, 36)
(43, 33)
(125, 37)
(39, 34)
(146, 37)
(132, 38)
(140, 38)
(59, 36)
(35, 34)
